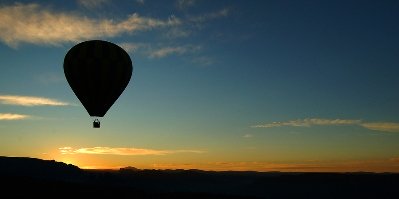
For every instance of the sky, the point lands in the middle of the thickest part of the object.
(217, 85)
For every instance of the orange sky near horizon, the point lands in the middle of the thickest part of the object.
(115, 162)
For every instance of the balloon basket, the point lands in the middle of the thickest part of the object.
(96, 123)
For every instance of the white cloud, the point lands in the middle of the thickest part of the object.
(12, 116)
(309, 122)
(30, 101)
(32, 23)
(37, 24)
(382, 126)
(247, 136)
(165, 51)
(122, 151)
(92, 3)
(376, 126)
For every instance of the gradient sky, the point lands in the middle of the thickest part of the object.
(216, 85)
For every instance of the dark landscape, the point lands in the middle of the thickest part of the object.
(31, 177)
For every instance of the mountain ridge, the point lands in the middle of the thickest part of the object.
(37, 177)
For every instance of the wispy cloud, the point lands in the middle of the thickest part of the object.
(92, 3)
(193, 23)
(32, 23)
(309, 122)
(382, 126)
(44, 25)
(160, 50)
(377, 126)
(169, 50)
(13, 116)
(132, 47)
(30, 101)
(210, 16)
(247, 136)
(122, 151)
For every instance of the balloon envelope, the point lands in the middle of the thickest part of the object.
(98, 72)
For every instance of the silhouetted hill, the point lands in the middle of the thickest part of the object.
(42, 178)
(33, 167)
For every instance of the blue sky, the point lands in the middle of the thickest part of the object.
(218, 85)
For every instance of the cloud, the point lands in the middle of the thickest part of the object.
(159, 51)
(122, 151)
(177, 32)
(132, 47)
(13, 116)
(210, 16)
(309, 122)
(247, 136)
(31, 23)
(36, 24)
(382, 126)
(191, 24)
(165, 51)
(92, 3)
(30, 101)
(377, 126)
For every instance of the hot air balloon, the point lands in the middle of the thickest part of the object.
(98, 73)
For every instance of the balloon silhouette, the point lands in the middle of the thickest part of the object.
(98, 72)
